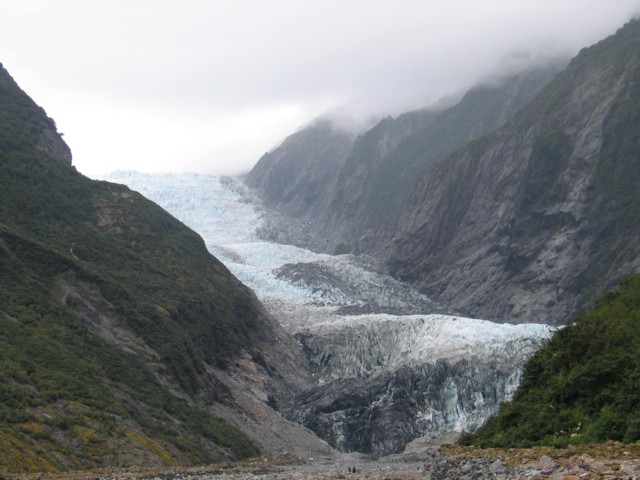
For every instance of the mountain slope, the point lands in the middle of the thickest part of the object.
(119, 334)
(300, 178)
(295, 177)
(529, 223)
(373, 189)
(583, 386)
(357, 188)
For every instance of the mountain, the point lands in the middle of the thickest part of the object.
(122, 340)
(326, 180)
(582, 386)
(531, 222)
(376, 182)
(294, 178)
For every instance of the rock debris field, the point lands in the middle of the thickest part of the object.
(422, 460)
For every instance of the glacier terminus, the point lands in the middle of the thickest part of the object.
(389, 365)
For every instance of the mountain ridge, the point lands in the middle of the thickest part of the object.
(532, 222)
(360, 191)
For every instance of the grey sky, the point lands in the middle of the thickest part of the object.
(208, 86)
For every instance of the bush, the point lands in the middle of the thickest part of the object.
(583, 385)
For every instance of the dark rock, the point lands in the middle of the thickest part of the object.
(532, 222)
(347, 193)
(380, 415)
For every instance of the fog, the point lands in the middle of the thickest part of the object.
(208, 86)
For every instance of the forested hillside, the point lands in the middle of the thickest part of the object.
(115, 321)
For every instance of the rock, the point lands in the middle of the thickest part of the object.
(330, 180)
(628, 468)
(544, 462)
(466, 468)
(496, 467)
(519, 225)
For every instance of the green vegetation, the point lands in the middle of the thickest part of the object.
(583, 386)
(74, 252)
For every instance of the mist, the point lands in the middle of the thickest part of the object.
(208, 86)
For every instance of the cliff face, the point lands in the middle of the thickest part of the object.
(295, 179)
(323, 180)
(302, 179)
(375, 184)
(529, 223)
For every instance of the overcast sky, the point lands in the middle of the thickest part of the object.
(210, 85)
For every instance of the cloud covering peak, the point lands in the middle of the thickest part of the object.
(169, 85)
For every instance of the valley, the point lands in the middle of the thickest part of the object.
(388, 364)
(466, 272)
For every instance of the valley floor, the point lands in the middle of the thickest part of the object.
(607, 461)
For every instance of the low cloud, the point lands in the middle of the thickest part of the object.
(210, 85)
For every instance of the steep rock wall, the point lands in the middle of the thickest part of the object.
(531, 222)
(339, 193)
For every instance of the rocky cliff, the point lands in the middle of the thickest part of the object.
(324, 180)
(295, 177)
(301, 178)
(388, 161)
(529, 223)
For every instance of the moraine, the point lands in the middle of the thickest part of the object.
(390, 366)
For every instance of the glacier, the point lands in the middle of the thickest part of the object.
(389, 364)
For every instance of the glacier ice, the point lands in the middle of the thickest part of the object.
(222, 211)
(363, 345)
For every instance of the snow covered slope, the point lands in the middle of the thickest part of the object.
(355, 324)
